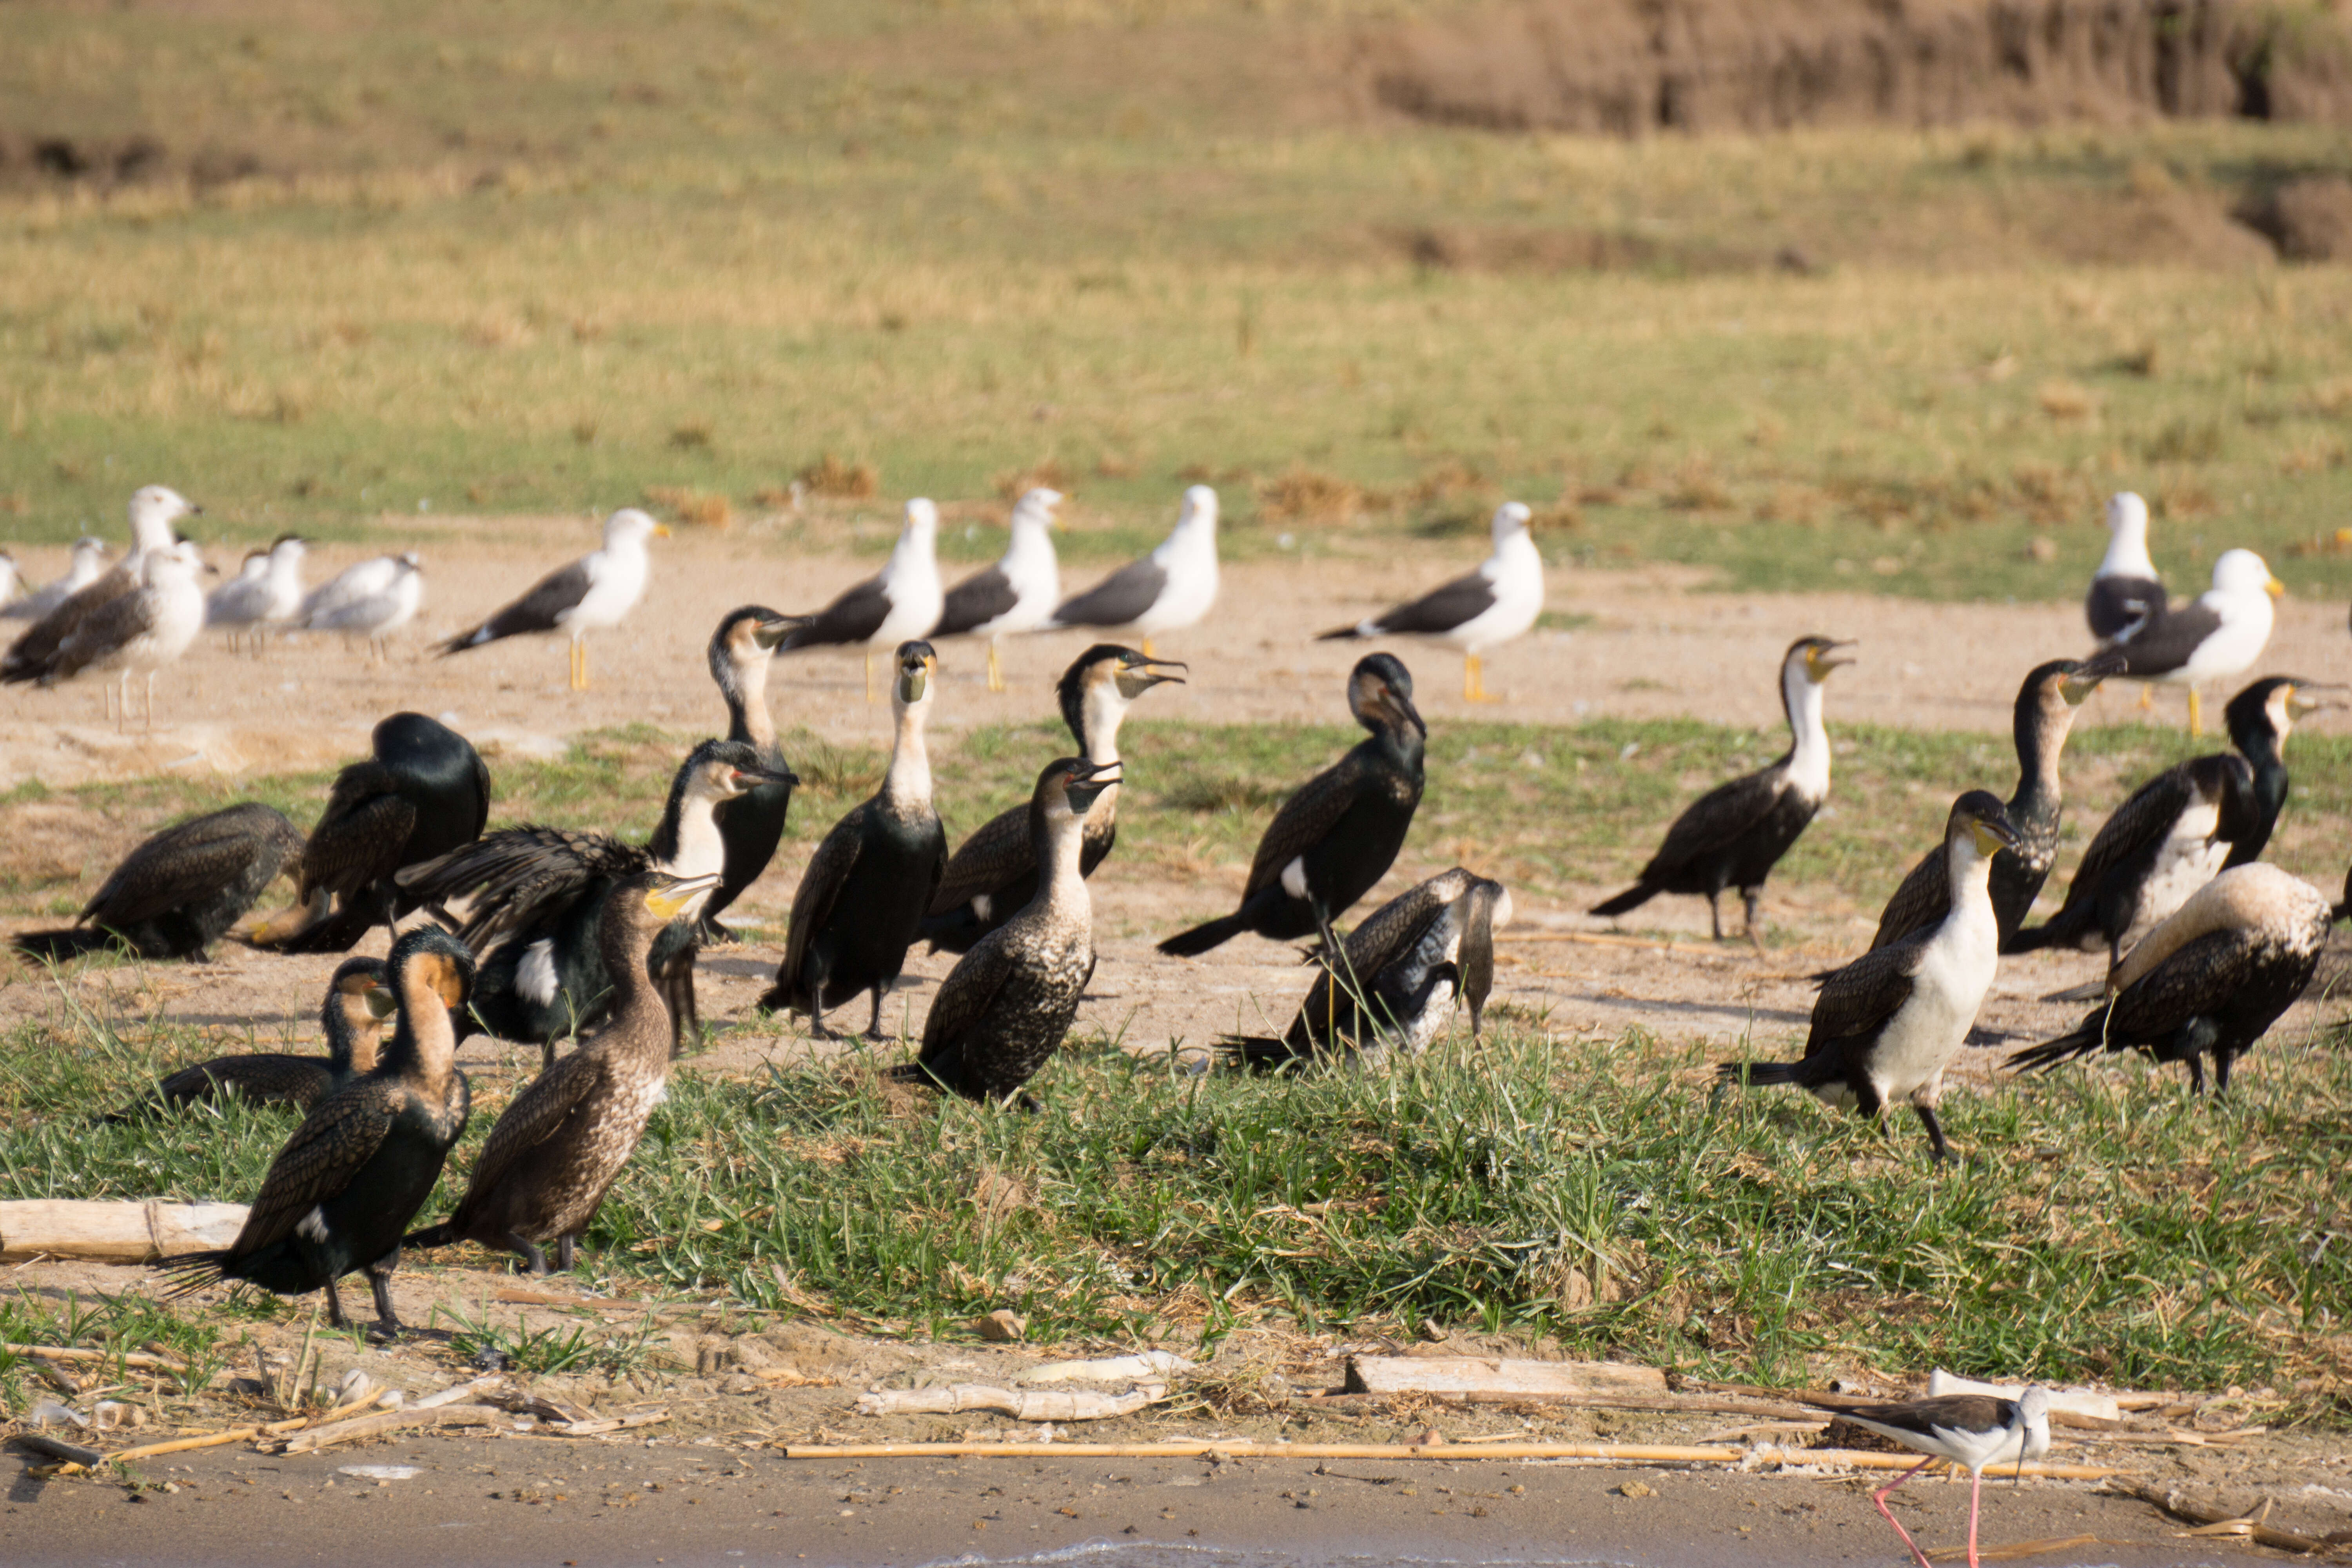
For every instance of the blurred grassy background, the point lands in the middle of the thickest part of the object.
(370, 260)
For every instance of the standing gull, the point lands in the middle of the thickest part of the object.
(2125, 592)
(899, 603)
(267, 592)
(1490, 606)
(592, 592)
(154, 511)
(373, 599)
(140, 632)
(82, 569)
(1168, 590)
(2216, 637)
(1017, 594)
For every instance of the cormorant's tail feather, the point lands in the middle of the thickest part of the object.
(1632, 897)
(954, 930)
(2061, 929)
(56, 946)
(432, 1236)
(1759, 1074)
(1256, 1053)
(189, 1273)
(1339, 633)
(2080, 1042)
(1203, 938)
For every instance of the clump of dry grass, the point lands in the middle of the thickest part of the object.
(1046, 473)
(830, 476)
(1305, 496)
(702, 509)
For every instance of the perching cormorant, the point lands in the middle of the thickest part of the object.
(1401, 974)
(1339, 835)
(422, 794)
(2045, 712)
(559, 1144)
(1886, 1026)
(175, 895)
(901, 601)
(592, 592)
(340, 1195)
(994, 873)
(353, 1016)
(537, 898)
(1501, 600)
(752, 823)
(1735, 834)
(1003, 1011)
(865, 889)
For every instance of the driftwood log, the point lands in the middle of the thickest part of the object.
(122, 1232)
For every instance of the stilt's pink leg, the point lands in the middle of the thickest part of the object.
(1976, 1491)
(1878, 1500)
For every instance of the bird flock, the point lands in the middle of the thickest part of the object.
(547, 935)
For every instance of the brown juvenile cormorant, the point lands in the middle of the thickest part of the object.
(558, 1146)
(538, 897)
(340, 1195)
(751, 824)
(1340, 833)
(2210, 980)
(1400, 976)
(2046, 704)
(422, 792)
(175, 895)
(353, 1016)
(1886, 1026)
(1002, 1012)
(865, 889)
(2179, 829)
(993, 874)
(595, 591)
(1734, 835)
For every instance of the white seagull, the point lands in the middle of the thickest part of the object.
(1017, 594)
(901, 605)
(12, 581)
(1490, 606)
(592, 592)
(154, 511)
(1168, 590)
(140, 632)
(2216, 637)
(2125, 590)
(88, 561)
(373, 599)
(267, 592)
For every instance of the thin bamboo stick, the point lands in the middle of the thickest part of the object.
(393, 1421)
(70, 1352)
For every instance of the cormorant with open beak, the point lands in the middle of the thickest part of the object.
(1735, 834)
(865, 888)
(993, 874)
(752, 823)
(353, 1017)
(177, 893)
(1336, 837)
(1886, 1025)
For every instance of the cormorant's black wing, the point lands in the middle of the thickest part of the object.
(1923, 899)
(2169, 640)
(827, 873)
(530, 1117)
(998, 852)
(342, 1133)
(359, 837)
(2197, 977)
(1715, 819)
(516, 873)
(536, 611)
(1442, 608)
(976, 601)
(194, 860)
(1303, 820)
(2139, 822)
(854, 617)
(1119, 600)
(1859, 998)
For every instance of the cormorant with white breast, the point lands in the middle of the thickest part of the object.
(352, 1016)
(559, 1145)
(421, 792)
(2125, 592)
(1499, 601)
(1398, 978)
(2180, 829)
(2046, 705)
(1169, 589)
(751, 824)
(865, 890)
(154, 511)
(267, 592)
(592, 593)
(2216, 637)
(341, 1193)
(1336, 837)
(2210, 980)
(1003, 1011)
(1886, 1025)
(180, 891)
(1735, 834)
(994, 873)
(84, 566)
(1017, 594)
(903, 601)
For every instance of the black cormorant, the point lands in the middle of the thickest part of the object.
(176, 894)
(752, 824)
(354, 1017)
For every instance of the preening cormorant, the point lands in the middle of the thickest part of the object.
(592, 592)
(1339, 835)
(559, 1144)
(865, 889)
(1499, 601)
(1399, 976)
(902, 601)
(177, 893)
(1018, 593)
(751, 824)
(2210, 980)
(2046, 705)
(421, 792)
(2215, 637)
(1886, 1026)
(154, 511)
(1003, 1011)
(994, 873)
(1168, 590)
(2125, 592)
(340, 1195)
(1735, 834)
(353, 1017)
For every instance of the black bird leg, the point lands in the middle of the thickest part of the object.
(1715, 912)
(813, 975)
(530, 1253)
(567, 1253)
(2221, 1072)
(2196, 1061)
(335, 1318)
(1749, 898)
(874, 1026)
(387, 1321)
(1938, 1152)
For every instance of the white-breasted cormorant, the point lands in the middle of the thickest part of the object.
(2046, 705)
(1886, 1026)
(1399, 977)
(178, 892)
(1018, 594)
(1734, 835)
(901, 603)
(154, 511)
(2125, 592)
(371, 600)
(84, 565)
(1168, 590)
(2217, 635)
(354, 1017)
(1339, 835)
(537, 901)
(1499, 601)
(340, 1195)
(2179, 829)
(265, 594)
(421, 792)
(1003, 1011)
(864, 891)
(2209, 980)
(589, 593)
(559, 1144)
(140, 632)
(994, 873)
(752, 823)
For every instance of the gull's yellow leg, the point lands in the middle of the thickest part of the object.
(2196, 714)
(995, 675)
(869, 676)
(2147, 695)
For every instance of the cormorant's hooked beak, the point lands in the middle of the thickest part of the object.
(675, 897)
(1818, 662)
(914, 679)
(1404, 709)
(1087, 782)
(1138, 673)
(769, 635)
(2076, 689)
(1992, 835)
(753, 778)
(2298, 703)
(380, 1003)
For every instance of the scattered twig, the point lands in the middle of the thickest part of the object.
(65, 1453)
(71, 1352)
(392, 1421)
(2015, 1552)
(1703, 1404)
(611, 1423)
(1021, 1405)
(456, 1392)
(2249, 1526)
